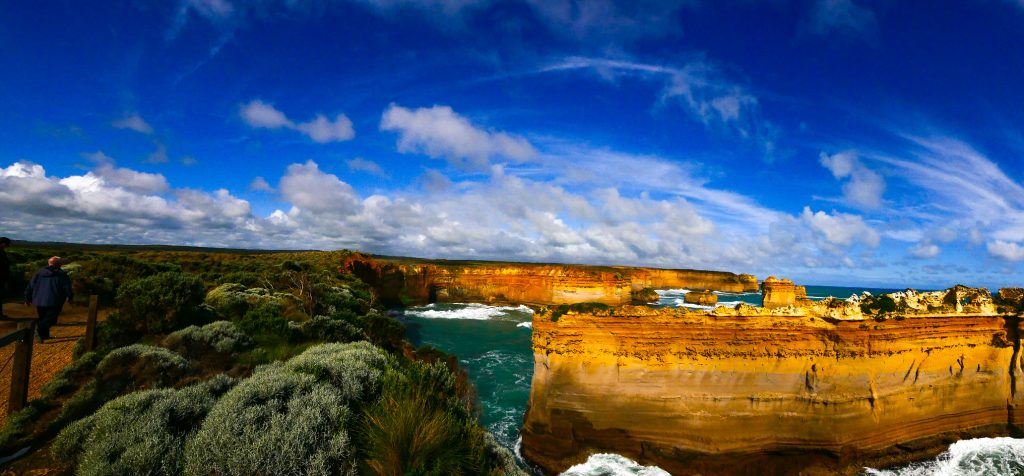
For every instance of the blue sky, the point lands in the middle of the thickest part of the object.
(831, 141)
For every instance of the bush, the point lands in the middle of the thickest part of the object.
(19, 424)
(325, 329)
(221, 336)
(160, 421)
(161, 303)
(355, 369)
(417, 426)
(276, 422)
(103, 274)
(129, 368)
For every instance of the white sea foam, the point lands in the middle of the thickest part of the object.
(607, 464)
(976, 457)
(527, 324)
(480, 312)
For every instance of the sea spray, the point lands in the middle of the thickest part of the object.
(977, 457)
(607, 464)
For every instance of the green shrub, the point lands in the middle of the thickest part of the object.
(417, 426)
(161, 303)
(19, 424)
(134, 367)
(264, 320)
(383, 330)
(324, 329)
(883, 304)
(139, 433)
(355, 369)
(103, 274)
(276, 422)
(221, 336)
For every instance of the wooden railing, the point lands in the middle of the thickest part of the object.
(21, 361)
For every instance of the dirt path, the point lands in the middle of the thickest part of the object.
(49, 357)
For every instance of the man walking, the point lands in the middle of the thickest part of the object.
(48, 290)
(5, 272)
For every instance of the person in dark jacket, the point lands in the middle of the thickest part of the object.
(49, 289)
(5, 272)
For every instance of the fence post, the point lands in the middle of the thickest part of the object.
(21, 365)
(90, 324)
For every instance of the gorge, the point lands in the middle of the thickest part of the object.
(803, 387)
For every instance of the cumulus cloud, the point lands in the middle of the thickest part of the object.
(1009, 251)
(699, 86)
(863, 188)
(496, 216)
(261, 115)
(843, 17)
(440, 132)
(840, 228)
(133, 122)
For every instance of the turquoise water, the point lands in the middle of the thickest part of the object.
(493, 345)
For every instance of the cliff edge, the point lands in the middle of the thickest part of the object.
(415, 281)
(804, 388)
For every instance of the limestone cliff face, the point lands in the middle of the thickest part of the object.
(818, 389)
(422, 281)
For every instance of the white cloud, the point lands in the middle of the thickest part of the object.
(262, 115)
(259, 114)
(924, 250)
(843, 17)
(840, 228)
(360, 164)
(1006, 250)
(307, 187)
(130, 179)
(865, 187)
(440, 132)
(133, 122)
(324, 130)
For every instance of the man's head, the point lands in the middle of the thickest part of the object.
(54, 261)
(4, 242)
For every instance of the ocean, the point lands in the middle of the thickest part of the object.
(493, 345)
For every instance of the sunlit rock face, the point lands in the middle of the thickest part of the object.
(421, 281)
(703, 298)
(813, 388)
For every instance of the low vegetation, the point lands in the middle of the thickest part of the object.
(247, 364)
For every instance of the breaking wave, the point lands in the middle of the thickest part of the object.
(607, 464)
(976, 457)
(527, 324)
(479, 312)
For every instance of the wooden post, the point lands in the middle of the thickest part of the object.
(90, 324)
(21, 366)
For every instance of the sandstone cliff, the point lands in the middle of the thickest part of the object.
(819, 388)
(412, 281)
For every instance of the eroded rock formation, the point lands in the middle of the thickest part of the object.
(421, 281)
(703, 298)
(809, 387)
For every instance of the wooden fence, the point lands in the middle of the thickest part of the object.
(21, 361)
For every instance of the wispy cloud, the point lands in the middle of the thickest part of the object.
(700, 87)
(133, 122)
(360, 164)
(261, 115)
(844, 18)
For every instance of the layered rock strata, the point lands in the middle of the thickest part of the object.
(820, 388)
(412, 281)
